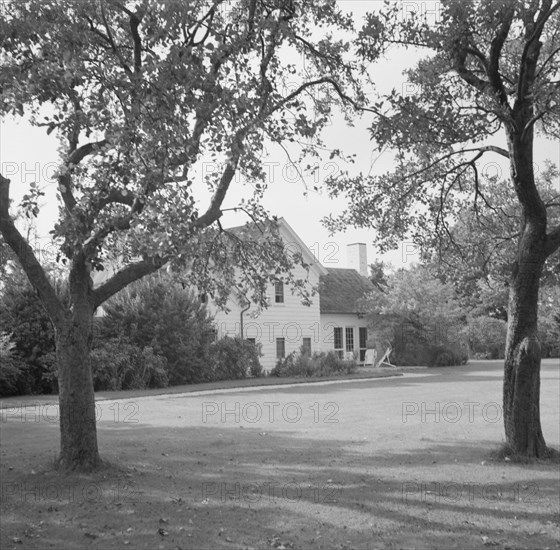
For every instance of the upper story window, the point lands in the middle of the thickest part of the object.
(279, 292)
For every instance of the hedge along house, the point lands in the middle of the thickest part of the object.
(332, 321)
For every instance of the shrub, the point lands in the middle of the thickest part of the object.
(233, 358)
(12, 368)
(487, 337)
(159, 313)
(32, 333)
(317, 364)
(414, 346)
(120, 365)
(447, 355)
(444, 354)
(292, 365)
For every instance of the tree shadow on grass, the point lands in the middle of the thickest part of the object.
(396, 495)
(224, 487)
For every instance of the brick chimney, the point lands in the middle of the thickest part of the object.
(357, 258)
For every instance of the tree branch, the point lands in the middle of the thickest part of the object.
(119, 196)
(65, 180)
(531, 123)
(479, 55)
(121, 223)
(546, 61)
(481, 151)
(136, 203)
(112, 41)
(213, 212)
(125, 276)
(459, 58)
(495, 51)
(189, 40)
(135, 21)
(494, 149)
(528, 64)
(325, 80)
(27, 258)
(87, 149)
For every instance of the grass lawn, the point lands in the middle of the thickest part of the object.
(403, 462)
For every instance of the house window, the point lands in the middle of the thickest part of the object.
(363, 342)
(306, 347)
(280, 348)
(338, 348)
(203, 298)
(279, 292)
(252, 340)
(349, 338)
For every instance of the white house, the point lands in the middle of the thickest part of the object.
(332, 322)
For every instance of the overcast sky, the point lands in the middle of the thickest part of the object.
(27, 154)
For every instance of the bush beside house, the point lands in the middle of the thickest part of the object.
(303, 364)
(156, 333)
(118, 364)
(233, 359)
(153, 334)
(160, 313)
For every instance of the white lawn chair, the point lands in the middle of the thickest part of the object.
(385, 360)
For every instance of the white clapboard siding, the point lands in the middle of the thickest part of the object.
(290, 320)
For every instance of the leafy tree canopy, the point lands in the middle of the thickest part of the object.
(481, 65)
(478, 252)
(141, 94)
(417, 298)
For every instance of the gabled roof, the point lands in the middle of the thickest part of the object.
(298, 245)
(341, 289)
(291, 239)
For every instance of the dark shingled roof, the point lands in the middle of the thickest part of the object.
(341, 289)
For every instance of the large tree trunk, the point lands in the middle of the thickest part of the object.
(78, 434)
(523, 353)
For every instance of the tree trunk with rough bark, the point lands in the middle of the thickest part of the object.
(521, 397)
(78, 434)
